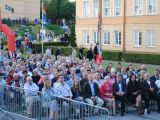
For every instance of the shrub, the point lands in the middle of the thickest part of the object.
(72, 36)
(56, 29)
(114, 56)
(37, 47)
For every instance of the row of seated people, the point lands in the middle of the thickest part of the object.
(96, 92)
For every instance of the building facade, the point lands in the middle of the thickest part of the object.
(127, 25)
(15, 9)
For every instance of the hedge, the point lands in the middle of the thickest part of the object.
(115, 56)
(38, 46)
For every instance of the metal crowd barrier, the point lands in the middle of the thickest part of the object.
(58, 108)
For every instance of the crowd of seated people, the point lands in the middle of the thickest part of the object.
(81, 80)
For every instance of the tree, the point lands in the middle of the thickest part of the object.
(73, 36)
(59, 9)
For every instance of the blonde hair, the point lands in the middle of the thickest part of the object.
(47, 84)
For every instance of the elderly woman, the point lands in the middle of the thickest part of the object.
(48, 99)
(107, 94)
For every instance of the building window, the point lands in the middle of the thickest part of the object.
(107, 7)
(152, 7)
(95, 37)
(138, 7)
(106, 38)
(117, 38)
(95, 7)
(137, 38)
(86, 37)
(150, 38)
(86, 8)
(117, 7)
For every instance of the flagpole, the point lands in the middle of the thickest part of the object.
(100, 27)
(42, 26)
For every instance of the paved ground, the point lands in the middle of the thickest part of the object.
(152, 116)
(9, 116)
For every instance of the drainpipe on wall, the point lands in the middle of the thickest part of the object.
(124, 26)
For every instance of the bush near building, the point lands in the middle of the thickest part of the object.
(107, 55)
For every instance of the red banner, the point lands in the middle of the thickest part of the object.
(10, 36)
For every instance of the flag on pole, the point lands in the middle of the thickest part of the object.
(44, 16)
(99, 58)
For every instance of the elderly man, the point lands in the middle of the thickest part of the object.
(17, 82)
(31, 95)
(149, 91)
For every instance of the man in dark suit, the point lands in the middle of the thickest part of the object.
(149, 91)
(119, 91)
(92, 92)
(155, 76)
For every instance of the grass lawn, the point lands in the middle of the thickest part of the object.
(150, 68)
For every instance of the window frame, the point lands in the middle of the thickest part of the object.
(84, 12)
(119, 7)
(95, 41)
(95, 9)
(119, 38)
(134, 13)
(156, 5)
(106, 7)
(86, 37)
(108, 38)
(152, 40)
(137, 38)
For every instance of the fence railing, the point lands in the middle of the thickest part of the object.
(55, 108)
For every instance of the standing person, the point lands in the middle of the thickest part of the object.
(57, 52)
(96, 51)
(49, 101)
(81, 52)
(48, 52)
(90, 54)
(62, 89)
(74, 54)
(31, 96)
(2, 46)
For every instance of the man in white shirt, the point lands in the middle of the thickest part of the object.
(31, 96)
(62, 89)
(97, 79)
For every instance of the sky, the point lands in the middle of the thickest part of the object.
(72, 0)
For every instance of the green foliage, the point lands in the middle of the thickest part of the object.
(107, 55)
(132, 57)
(7, 21)
(59, 9)
(56, 29)
(73, 36)
(37, 47)
(22, 50)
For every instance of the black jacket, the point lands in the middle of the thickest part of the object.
(146, 87)
(116, 88)
(88, 92)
